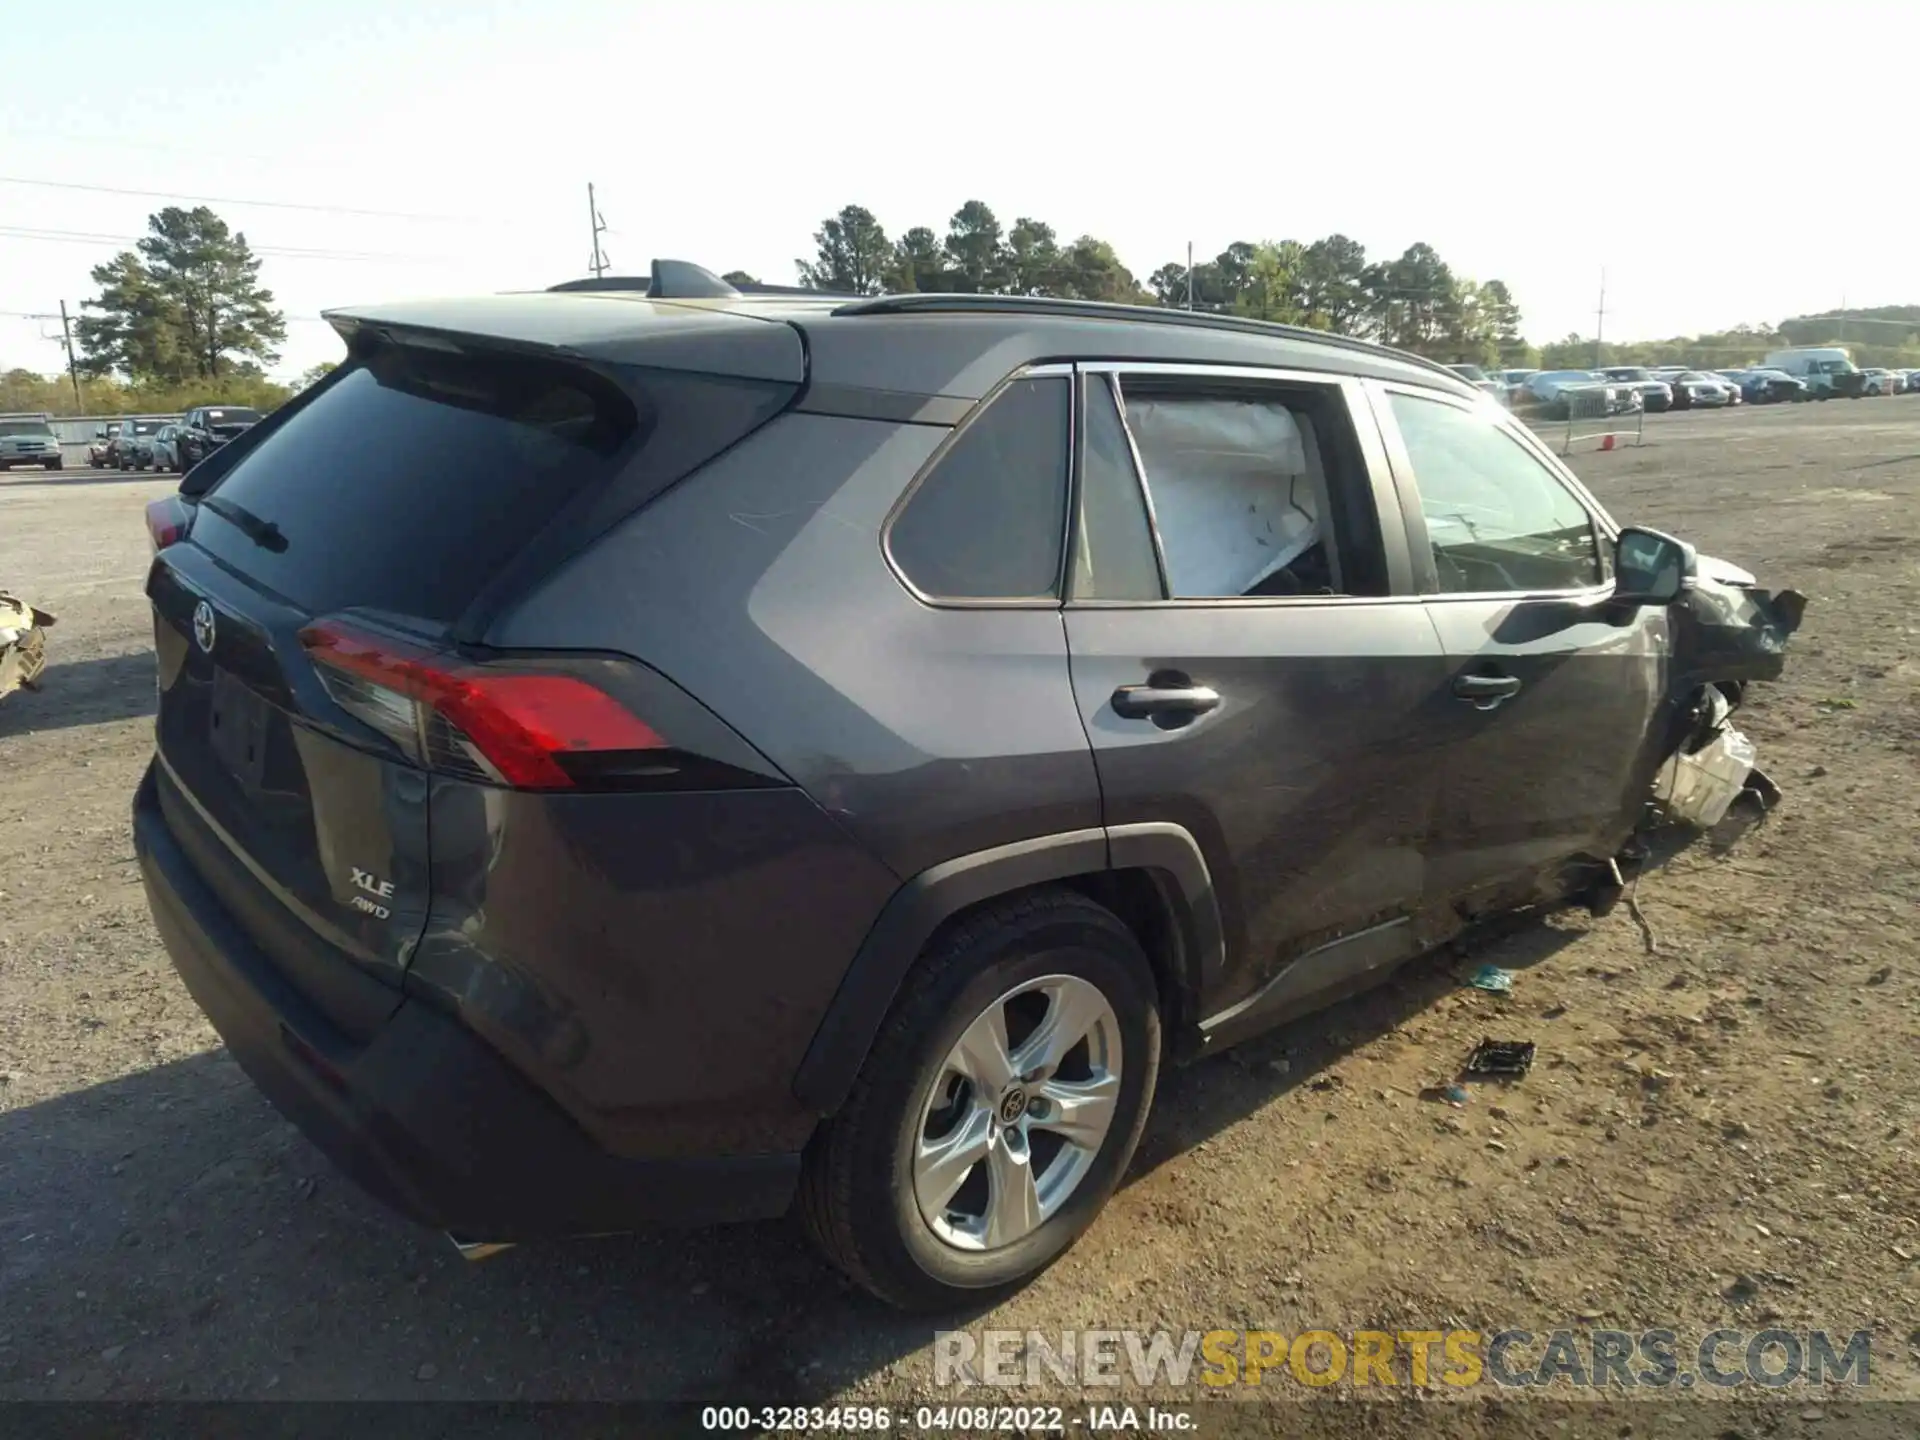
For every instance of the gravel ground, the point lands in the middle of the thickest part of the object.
(1719, 1130)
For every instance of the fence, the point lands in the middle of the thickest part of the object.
(1586, 408)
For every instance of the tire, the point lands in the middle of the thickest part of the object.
(54, 465)
(858, 1194)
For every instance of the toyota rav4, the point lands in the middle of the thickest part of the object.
(642, 753)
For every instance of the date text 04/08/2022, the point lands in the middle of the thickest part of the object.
(944, 1419)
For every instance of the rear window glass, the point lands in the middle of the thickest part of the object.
(988, 522)
(414, 479)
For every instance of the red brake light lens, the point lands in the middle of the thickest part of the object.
(167, 521)
(522, 725)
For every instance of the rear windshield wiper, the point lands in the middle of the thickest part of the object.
(263, 533)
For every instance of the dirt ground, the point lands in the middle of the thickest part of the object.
(1720, 1129)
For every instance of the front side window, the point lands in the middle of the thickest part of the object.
(1498, 518)
(988, 521)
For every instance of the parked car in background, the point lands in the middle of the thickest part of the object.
(100, 451)
(1771, 387)
(1876, 380)
(28, 440)
(1481, 381)
(1655, 394)
(1551, 392)
(136, 439)
(1516, 382)
(564, 855)
(1732, 377)
(1697, 390)
(205, 428)
(1828, 370)
(163, 451)
(1913, 382)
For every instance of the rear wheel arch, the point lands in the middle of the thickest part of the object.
(1152, 877)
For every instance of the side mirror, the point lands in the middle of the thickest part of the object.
(1650, 568)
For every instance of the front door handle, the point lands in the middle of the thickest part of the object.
(1144, 702)
(1486, 691)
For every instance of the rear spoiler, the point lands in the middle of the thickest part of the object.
(683, 280)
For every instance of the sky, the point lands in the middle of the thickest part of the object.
(1720, 163)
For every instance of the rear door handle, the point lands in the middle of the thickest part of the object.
(1143, 702)
(1486, 691)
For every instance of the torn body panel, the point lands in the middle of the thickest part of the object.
(23, 644)
(1726, 632)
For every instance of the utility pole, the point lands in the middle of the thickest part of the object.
(73, 370)
(1189, 275)
(598, 264)
(1600, 318)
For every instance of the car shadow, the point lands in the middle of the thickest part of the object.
(167, 1234)
(81, 692)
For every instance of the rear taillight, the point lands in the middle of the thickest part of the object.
(168, 520)
(531, 728)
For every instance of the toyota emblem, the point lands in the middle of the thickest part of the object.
(203, 631)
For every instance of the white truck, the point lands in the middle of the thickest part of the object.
(1828, 370)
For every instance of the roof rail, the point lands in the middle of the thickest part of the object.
(962, 304)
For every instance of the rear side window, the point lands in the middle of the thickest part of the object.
(419, 475)
(1258, 491)
(988, 521)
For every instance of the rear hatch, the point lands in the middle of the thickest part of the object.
(310, 672)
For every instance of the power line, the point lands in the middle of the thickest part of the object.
(292, 252)
(230, 200)
(202, 152)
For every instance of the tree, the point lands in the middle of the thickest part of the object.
(1273, 290)
(853, 254)
(313, 375)
(1223, 282)
(189, 305)
(1410, 298)
(1333, 289)
(1032, 258)
(135, 332)
(740, 277)
(919, 264)
(1503, 323)
(1090, 270)
(1169, 284)
(976, 255)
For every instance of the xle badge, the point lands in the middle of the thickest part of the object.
(374, 887)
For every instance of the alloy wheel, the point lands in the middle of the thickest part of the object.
(1018, 1113)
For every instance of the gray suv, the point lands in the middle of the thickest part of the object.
(644, 753)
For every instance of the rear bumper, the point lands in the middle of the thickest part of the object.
(425, 1116)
